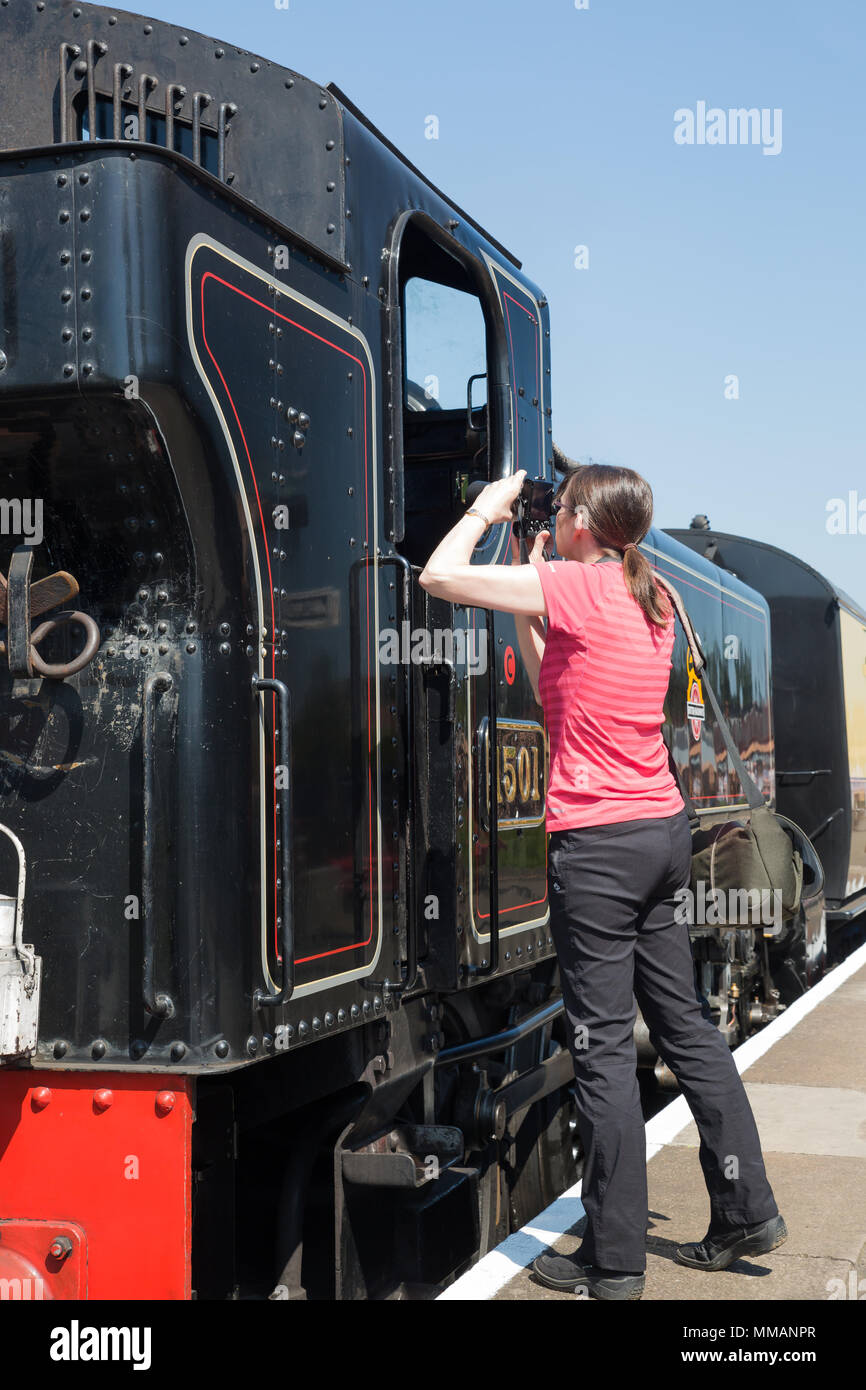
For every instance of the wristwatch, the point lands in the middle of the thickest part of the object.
(473, 511)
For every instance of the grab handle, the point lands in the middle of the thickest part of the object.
(285, 918)
(160, 1005)
(410, 979)
(26, 954)
(491, 966)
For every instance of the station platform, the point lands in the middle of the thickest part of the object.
(805, 1076)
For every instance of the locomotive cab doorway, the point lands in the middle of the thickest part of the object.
(468, 350)
(445, 344)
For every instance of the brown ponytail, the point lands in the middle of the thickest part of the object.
(618, 504)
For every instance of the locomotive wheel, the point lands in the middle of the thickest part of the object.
(545, 1156)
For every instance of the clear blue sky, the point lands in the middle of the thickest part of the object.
(556, 129)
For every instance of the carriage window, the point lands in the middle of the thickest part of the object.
(445, 346)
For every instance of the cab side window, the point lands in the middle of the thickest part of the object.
(445, 425)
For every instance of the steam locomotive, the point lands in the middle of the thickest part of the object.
(279, 1006)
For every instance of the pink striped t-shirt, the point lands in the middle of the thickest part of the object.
(603, 682)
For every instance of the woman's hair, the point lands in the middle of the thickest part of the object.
(618, 506)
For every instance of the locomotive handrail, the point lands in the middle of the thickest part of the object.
(499, 1042)
(411, 976)
(801, 778)
(493, 745)
(159, 1005)
(825, 824)
(26, 954)
(493, 811)
(286, 916)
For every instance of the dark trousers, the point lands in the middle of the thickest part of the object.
(612, 901)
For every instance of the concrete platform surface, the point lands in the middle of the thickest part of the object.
(808, 1095)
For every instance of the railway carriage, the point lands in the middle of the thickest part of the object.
(818, 636)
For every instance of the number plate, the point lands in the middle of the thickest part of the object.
(522, 772)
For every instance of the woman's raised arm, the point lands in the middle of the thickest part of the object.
(449, 574)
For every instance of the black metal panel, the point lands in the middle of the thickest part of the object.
(104, 414)
(283, 150)
(297, 392)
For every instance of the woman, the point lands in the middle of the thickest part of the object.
(619, 850)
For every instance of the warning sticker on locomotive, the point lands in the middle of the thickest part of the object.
(521, 766)
(695, 711)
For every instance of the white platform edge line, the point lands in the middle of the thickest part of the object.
(494, 1270)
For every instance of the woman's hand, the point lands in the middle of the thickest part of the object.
(450, 574)
(536, 554)
(497, 500)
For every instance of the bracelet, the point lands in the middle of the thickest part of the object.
(473, 511)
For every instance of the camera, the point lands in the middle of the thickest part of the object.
(532, 509)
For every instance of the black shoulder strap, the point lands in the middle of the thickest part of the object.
(691, 811)
(699, 661)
